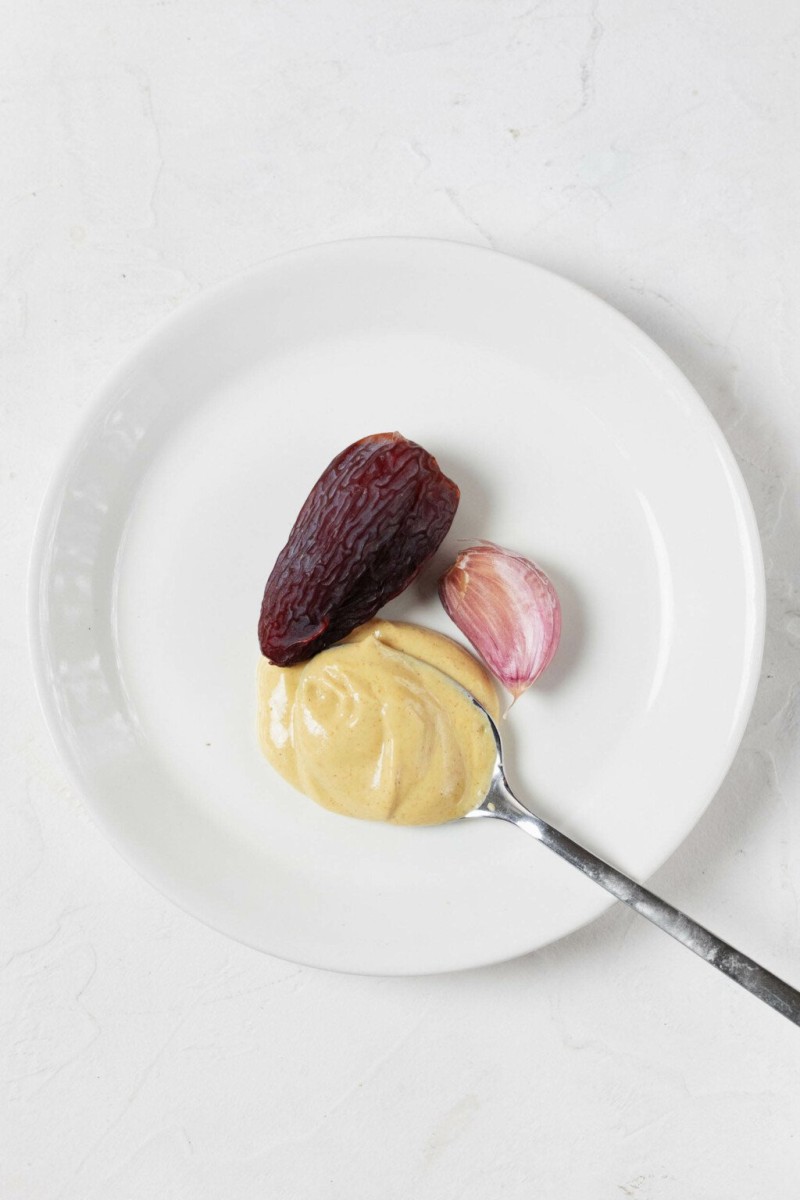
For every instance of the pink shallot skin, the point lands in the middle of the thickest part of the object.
(507, 608)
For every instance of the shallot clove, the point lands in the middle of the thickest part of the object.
(507, 608)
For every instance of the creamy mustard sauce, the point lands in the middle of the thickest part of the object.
(374, 727)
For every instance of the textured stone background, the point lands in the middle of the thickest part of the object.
(650, 152)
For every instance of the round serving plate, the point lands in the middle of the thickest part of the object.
(574, 440)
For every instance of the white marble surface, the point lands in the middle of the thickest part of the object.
(650, 152)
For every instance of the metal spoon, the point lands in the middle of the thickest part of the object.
(501, 804)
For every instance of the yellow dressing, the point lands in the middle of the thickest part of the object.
(374, 727)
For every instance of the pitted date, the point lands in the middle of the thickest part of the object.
(375, 515)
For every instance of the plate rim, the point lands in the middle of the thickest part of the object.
(208, 297)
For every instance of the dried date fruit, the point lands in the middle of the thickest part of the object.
(373, 518)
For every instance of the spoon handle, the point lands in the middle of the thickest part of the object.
(502, 803)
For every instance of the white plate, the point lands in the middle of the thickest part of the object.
(573, 438)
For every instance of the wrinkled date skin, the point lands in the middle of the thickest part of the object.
(375, 515)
